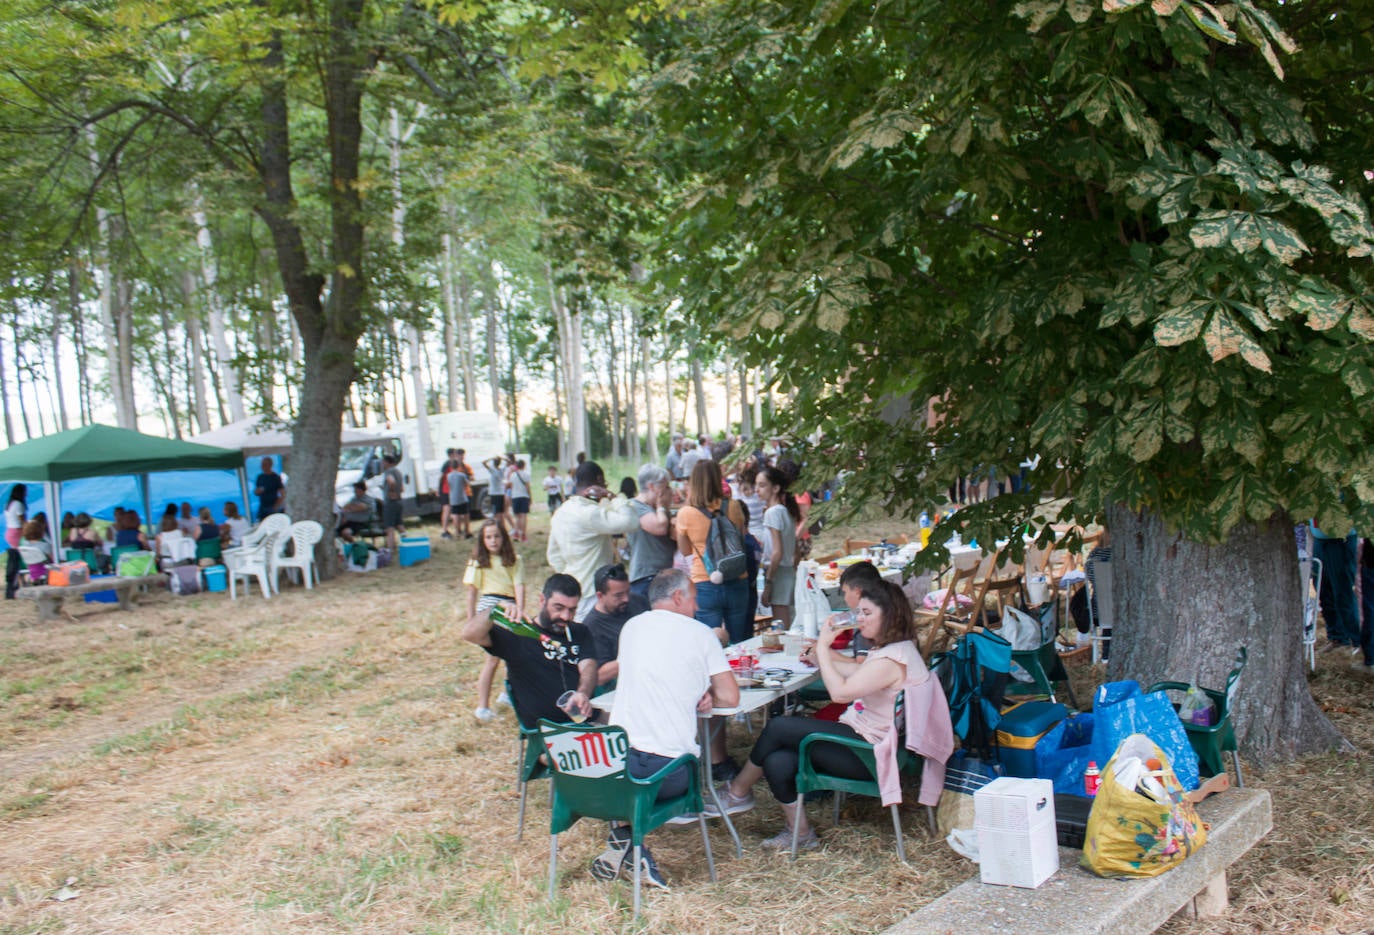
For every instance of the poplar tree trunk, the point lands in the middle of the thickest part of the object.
(5, 398)
(228, 378)
(450, 293)
(1168, 625)
(195, 374)
(570, 350)
(650, 425)
(746, 413)
(697, 387)
(58, 384)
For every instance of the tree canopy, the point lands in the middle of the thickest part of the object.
(1132, 238)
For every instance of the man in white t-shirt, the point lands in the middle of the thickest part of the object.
(671, 669)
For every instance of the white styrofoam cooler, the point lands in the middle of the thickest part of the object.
(1017, 843)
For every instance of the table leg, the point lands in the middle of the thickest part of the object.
(704, 729)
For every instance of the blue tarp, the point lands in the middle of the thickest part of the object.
(99, 496)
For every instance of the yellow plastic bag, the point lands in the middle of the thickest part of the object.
(1140, 824)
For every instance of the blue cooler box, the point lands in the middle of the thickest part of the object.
(1021, 729)
(101, 597)
(413, 550)
(216, 577)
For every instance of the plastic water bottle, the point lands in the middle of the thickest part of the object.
(1092, 778)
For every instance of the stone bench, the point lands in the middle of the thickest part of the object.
(49, 597)
(1075, 902)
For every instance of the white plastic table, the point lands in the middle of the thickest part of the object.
(750, 699)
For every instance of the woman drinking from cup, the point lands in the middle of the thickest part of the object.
(870, 689)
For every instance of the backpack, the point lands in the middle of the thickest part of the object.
(724, 548)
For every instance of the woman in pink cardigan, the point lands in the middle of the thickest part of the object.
(869, 686)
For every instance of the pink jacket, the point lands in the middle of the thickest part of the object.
(929, 733)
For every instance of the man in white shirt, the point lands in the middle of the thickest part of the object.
(671, 669)
(690, 457)
(581, 533)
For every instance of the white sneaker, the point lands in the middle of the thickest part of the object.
(503, 699)
(484, 714)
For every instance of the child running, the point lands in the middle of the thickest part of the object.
(494, 575)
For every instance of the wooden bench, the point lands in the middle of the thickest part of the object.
(49, 597)
(1075, 902)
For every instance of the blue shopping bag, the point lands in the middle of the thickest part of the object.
(1063, 754)
(1119, 712)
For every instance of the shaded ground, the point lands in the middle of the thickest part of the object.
(311, 762)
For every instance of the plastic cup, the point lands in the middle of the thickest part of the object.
(565, 704)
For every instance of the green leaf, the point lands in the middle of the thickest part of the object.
(1039, 12)
(1359, 378)
(1182, 324)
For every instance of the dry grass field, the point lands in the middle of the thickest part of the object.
(311, 764)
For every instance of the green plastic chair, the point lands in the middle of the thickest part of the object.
(589, 780)
(84, 555)
(530, 766)
(209, 548)
(1212, 740)
(811, 779)
(1046, 668)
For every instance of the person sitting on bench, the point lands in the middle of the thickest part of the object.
(357, 514)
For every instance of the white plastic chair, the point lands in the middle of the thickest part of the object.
(175, 547)
(302, 536)
(33, 557)
(253, 559)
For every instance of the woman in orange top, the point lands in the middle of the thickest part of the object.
(723, 604)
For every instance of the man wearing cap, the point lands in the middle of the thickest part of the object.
(581, 533)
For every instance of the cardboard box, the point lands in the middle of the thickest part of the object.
(1017, 840)
(413, 550)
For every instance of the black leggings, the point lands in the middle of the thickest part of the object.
(776, 753)
(12, 565)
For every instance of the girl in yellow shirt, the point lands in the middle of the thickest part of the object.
(494, 575)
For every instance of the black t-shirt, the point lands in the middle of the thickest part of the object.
(606, 628)
(271, 486)
(541, 670)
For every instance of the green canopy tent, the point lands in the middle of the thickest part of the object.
(105, 451)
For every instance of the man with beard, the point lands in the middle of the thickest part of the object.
(614, 605)
(562, 659)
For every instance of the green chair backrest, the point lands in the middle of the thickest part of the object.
(84, 555)
(209, 548)
(586, 752)
(590, 780)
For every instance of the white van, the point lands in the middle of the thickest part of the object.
(480, 434)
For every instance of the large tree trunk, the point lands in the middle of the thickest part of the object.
(1182, 609)
(329, 337)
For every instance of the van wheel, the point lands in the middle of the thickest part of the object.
(484, 503)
